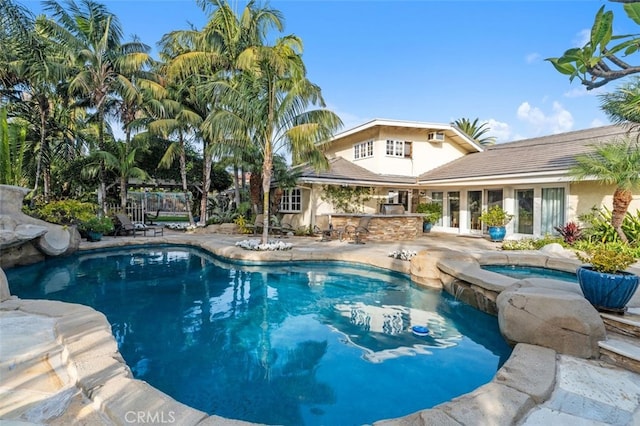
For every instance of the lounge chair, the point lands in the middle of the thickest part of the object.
(124, 226)
(148, 219)
(356, 232)
(257, 224)
(286, 224)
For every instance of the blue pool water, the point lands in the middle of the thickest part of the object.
(522, 272)
(291, 343)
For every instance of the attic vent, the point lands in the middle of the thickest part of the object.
(435, 137)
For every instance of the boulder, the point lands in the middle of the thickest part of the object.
(18, 229)
(556, 319)
(4, 287)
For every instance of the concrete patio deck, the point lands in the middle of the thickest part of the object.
(59, 363)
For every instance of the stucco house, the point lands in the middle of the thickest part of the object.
(411, 162)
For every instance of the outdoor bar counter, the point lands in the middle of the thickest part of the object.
(381, 227)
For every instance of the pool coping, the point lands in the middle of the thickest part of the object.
(95, 365)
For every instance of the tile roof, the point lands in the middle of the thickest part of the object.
(555, 153)
(341, 170)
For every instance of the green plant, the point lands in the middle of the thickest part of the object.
(598, 228)
(98, 224)
(495, 216)
(607, 257)
(571, 232)
(64, 212)
(241, 223)
(431, 212)
(347, 199)
(532, 243)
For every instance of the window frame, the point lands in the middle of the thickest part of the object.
(363, 150)
(398, 148)
(290, 199)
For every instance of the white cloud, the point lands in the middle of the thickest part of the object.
(499, 130)
(557, 121)
(597, 123)
(582, 37)
(580, 91)
(349, 120)
(532, 57)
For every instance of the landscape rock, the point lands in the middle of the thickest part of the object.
(555, 319)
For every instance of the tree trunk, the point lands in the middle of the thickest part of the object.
(236, 185)
(206, 185)
(123, 193)
(621, 200)
(266, 185)
(183, 177)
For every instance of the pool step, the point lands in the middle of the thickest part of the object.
(627, 324)
(622, 346)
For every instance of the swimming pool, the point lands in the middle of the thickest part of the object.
(288, 343)
(521, 272)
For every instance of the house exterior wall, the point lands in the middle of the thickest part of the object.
(425, 155)
(585, 195)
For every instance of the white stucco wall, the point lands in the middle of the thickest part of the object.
(585, 195)
(425, 155)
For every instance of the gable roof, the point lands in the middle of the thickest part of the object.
(343, 171)
(548, 155)
(454, 134)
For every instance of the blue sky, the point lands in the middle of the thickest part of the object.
(421, 60)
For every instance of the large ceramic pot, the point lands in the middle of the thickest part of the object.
(607, 292)
(426, 226)
(497, 233)
(94, 236)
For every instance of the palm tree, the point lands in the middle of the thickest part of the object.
(177, 123)
(123, 162)
(613, 163)
(92, 36)
(475, 130)
(205, 57)
(273, 106)
(623, 105)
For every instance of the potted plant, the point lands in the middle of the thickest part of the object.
(431, 213)
(496, 218)
(95, 227)
(604, 282)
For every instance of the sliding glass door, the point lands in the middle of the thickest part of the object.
(524, 212)
(553, 210)
(454, 209)
(474, 208)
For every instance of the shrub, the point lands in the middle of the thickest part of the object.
(64, 212)
(531, 243)
(495, 216)
(607, 257)
(431, 212)
(571, 232)
(597, 226)
(102, 225)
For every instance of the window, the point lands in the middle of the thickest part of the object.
(524, 212)
(399, 148)
(291, 200)
(474, 207)
(454, 209)
(437, 197)
(363, 150)
(435, 137)
(552, 210)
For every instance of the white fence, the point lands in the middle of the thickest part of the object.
(141, 203)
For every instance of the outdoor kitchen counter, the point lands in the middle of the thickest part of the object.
(381, 227)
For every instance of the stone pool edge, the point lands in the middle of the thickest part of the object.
(93, 361)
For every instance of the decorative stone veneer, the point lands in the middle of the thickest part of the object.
(382, 227)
